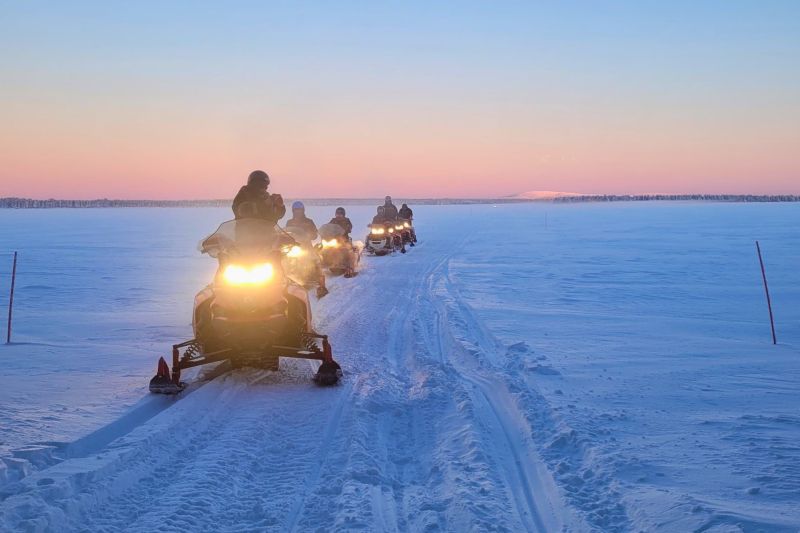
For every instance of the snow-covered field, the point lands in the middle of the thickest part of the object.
(524, 368)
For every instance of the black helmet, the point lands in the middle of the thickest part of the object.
(340, 210)
(380, 209)
(258, 177)
(388, 199)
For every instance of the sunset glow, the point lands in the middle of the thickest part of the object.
(182, 100)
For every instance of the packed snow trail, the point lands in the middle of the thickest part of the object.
(406, 442)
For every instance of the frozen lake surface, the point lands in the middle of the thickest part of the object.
(526, 367)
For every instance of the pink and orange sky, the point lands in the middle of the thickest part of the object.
(357, 99)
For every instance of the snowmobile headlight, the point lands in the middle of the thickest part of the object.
(255, 275)
(295, 251)
(399, 227)
(406, 225)
(391, 230)
(333, 243)
(378, 231)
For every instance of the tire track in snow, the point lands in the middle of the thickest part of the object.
(342, 323)
(412, 458)
(314, 474)
(98, 492)
(149, 406)
(418, 448)
(360, 469)
(537, 501)
(572, 465)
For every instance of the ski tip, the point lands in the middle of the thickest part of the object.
(160, 386)
(163, 368)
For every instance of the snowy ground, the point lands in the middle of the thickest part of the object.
(526, 367)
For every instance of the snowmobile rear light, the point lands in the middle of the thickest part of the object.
(253, 275)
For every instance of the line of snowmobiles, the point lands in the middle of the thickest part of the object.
(256, 309)
(388, 237)
(252, 313)
(334, 254)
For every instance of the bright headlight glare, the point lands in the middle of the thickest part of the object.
(398, 227)
(406, 225)
(377, 231)
(294, 251)
(391, 230)
(255, 275)
(333, 243)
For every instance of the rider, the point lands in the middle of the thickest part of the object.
(380, 218)
(300, 223)
(342, 221)
(389, 209)
(406, 212)
(253, 200)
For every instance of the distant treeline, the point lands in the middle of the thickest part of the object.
(28, 203)
(679, 197)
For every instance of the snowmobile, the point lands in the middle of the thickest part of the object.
(251, 314)
(339, 255)
(302, 262)
(406, 231)
(382, 239)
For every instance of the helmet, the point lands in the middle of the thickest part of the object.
(258, 177)
(340, 210)
(298, 205)
(388, 199)
(380, 209)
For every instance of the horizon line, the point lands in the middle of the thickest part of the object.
(512, 197)
(22, 203)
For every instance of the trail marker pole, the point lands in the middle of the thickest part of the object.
(11, 298)
(766, 289)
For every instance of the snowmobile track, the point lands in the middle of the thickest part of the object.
(532, 417)
(527, 479)
(313, 477)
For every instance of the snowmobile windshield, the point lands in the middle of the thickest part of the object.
(330, 231)
(246, 236)
(299, 234)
